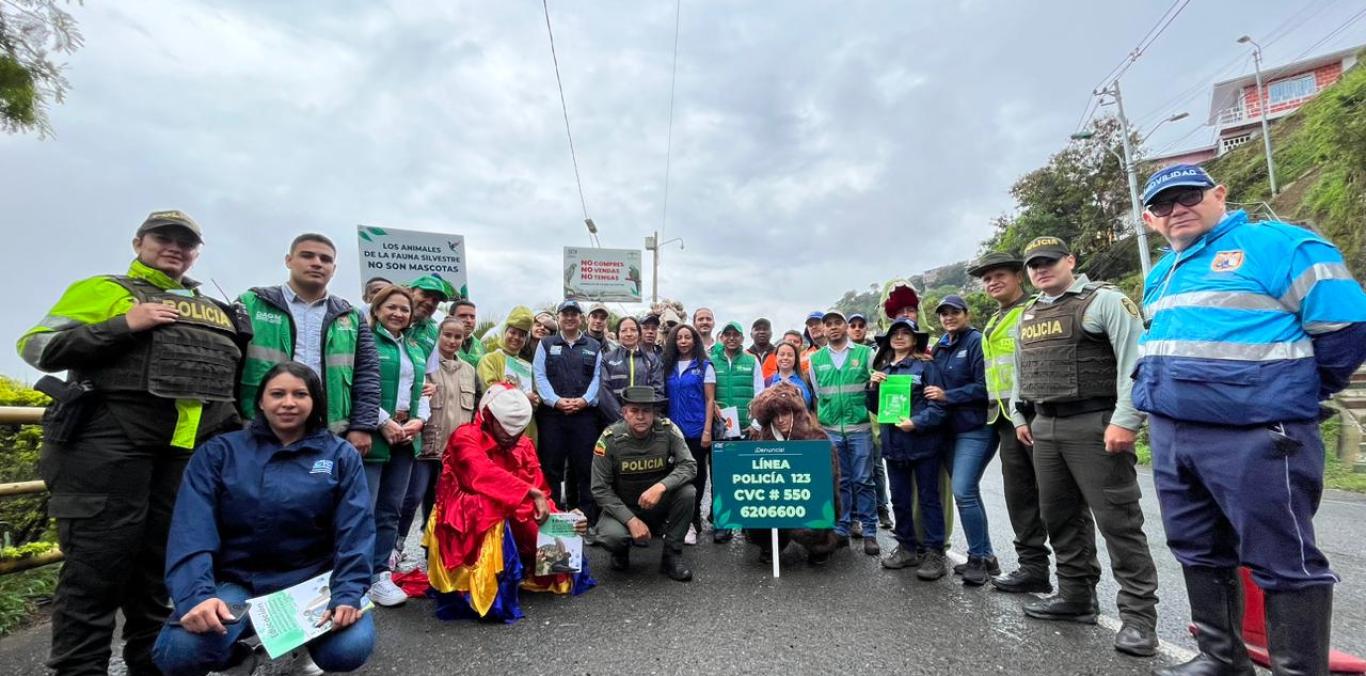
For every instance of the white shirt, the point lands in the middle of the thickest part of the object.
(308, 328)
(708, 376)
(403, 400)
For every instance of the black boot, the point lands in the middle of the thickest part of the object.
(621, 558)
(672, 564)
(1216, 598)
(1298, 626)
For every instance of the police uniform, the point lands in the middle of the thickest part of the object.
(1251, 325)
(625, 466)
(1073, 360)
(116, 441)
(568, 369)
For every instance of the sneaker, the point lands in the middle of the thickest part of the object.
(902, 558)
(933, 567)
(870, 546)
(993, 566)
(691, 537)
(975, 573)
(301, 663)
(884, 518)
(385, 593)
(409, 561)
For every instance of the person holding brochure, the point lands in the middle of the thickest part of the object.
(260, 510)
(490, 502)
(914, 447)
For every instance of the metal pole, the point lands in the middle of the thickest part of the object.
(1131, 168)
(1262, 104)
(654, 279)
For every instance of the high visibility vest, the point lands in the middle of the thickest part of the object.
(998, 349)
(273, 342)
(735, 382)
(841, 393)
(390, 371)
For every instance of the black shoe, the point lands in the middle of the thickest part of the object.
(1023, 582)
(884, 518)
(870, 546)
(1216, 599)
(1136, 640)
(976, 572)
(718, 536)
(1298, 625)
(621, 560)
(672, 565)
(1059, 609)
(933, 567)
(993, 567)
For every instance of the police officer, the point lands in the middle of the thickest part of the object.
(1077, 344)
(642, 481)
(566, 368)
(151, 369)
(1239, 310)
(1002, 275)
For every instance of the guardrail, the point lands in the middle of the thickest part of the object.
(24, 415)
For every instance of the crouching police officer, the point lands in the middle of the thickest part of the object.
(1252, 324)
(1077, 344)
(642, 481)
(152, 365)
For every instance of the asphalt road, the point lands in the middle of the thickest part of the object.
(847, 616)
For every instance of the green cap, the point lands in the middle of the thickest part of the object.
(733, 326)
(1046, 247)
(434, 284)
(170, 218)
(995, 259)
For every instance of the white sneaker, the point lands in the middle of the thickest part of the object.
(301, 663)
(385, 593)
(691, 537)
(409, 562)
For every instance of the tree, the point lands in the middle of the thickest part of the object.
(32, 33)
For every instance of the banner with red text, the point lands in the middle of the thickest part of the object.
(604, 275)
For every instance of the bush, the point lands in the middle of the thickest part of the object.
(22, 519)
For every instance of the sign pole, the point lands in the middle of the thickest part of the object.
(774, 541)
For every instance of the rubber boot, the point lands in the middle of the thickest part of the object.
(1216, 598)
(671, 563)
(1299, 624)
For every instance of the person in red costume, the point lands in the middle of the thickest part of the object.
(490, 500)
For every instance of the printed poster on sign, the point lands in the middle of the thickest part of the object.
(603, 275)
(772, 484)
(401, 256)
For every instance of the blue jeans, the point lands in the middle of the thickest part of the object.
(421, 493)
(972, 452)
(180, 653)
(857, 493)
(388, 484)
(919, 477)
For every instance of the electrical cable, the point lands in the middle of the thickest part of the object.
(668, 149)
(565, 109)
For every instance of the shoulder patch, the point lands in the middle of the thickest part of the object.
(1227, 261)
(1130, 307)
(600, 448)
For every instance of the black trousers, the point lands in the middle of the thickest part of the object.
(568, 440)
(703, 458)
(112, 500)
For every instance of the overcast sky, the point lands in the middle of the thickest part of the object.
(817, 146)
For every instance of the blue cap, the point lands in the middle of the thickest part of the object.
(1176, 176)
(817, 315)
(570, 304)
(952, 300)
(857, 315)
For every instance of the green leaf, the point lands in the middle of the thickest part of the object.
(377, 231)
(365, 237)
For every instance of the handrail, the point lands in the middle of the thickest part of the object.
(21, 415)
(25, 415)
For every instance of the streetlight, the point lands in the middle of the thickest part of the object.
(1174, 118)
(1262, 104)
(653, 244)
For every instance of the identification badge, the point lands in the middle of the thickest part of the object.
(555, 350)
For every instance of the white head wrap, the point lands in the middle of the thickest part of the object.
(509, 406)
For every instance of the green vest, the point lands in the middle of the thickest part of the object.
(735, 382)
(998, 350)
(389, 371)
(841, 398)
(273, 342)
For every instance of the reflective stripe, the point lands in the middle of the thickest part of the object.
(1300, 349)
(1313, 275)
(347, 360)
(34, 347)
(188, 412)
(1318, 328)
(268, 354)
(1004, 360)
(858, 427)
(57, 323)
(1233, 300)
(852, 388)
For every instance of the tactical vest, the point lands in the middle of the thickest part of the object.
(273, 342)
(998, 350)
(735, 383)
(570, 368)
(639, 463)
(622, 368)
(193, 358)
(841, 399)
(1059, 360)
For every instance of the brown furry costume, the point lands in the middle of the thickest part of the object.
(765, 409)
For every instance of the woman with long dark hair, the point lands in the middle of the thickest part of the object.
(690, 384)
(260, 510)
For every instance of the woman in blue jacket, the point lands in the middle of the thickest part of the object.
(914, 449)
(690, 383)
(964, 396)
(260, 510)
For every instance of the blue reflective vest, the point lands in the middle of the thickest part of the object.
(1232, 321)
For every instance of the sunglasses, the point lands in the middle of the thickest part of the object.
(1186, 198)
(1039, 263)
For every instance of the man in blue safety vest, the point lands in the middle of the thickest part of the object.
(1250, 326)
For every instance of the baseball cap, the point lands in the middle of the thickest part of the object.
(816, 316)
(1045, 247)
(734, 326)
(170, 218)
(1175, 176)
(995, 259)
(762, 321)
(597, 307)
(569, 305)
(832, 313)
(952, 300)
(434, 284)
(859, 316)
(651, 318)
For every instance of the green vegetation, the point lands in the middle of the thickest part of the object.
(24, 526)
(22, 593)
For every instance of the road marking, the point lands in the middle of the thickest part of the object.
(1174, 652)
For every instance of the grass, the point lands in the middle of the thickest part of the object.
(21, 594)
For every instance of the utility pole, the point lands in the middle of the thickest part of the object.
(1262, 104)
(1131, 168)
(653, 245)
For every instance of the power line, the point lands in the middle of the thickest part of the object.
(668, 150)
(1160, 26)
(565, 109)
(1332, 34)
